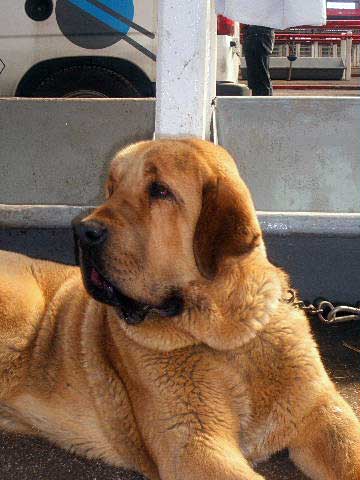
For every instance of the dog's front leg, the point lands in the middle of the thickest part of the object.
(328, 446)
(207, 459)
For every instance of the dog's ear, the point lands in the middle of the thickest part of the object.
(227, 225)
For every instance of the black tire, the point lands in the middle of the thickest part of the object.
(85, 81)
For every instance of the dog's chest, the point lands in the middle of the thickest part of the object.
(268, 383)
(195, 392)
(191, 392)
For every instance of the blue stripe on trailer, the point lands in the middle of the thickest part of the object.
(101, 15)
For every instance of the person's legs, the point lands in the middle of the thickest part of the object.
(258, 48)
(250, 57)
(262, 85)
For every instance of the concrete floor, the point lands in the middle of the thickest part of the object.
(331, 92)
(29, 459)
(352, 91)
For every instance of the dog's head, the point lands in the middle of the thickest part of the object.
(177, 217)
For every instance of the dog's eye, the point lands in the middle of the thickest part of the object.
(160, 191)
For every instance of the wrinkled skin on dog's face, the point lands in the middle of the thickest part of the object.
(175, 212)
(153, 202)
(150, 214)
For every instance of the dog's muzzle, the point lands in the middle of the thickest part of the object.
(89, 237)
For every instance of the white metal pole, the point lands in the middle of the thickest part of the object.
(316, 49)
(343, 54)
(334, 50)
(212, 69)
(348, 58)
(185, 57)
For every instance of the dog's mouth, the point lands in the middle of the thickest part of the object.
(132, 311)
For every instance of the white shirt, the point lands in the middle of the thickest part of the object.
(279, 14)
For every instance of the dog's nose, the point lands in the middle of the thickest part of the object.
(90, 232)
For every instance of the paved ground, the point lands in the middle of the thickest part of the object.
(342, 91)
(30, 459)
(331, 92)
(353, 82)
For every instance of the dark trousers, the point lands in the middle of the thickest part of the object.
(258, 46)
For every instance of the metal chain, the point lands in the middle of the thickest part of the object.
(339, 314)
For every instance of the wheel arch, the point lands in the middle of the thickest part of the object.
(43, 69)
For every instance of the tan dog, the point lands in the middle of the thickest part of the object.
(183, 361)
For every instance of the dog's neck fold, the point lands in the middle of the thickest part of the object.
(224, 314)
(232, 309)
